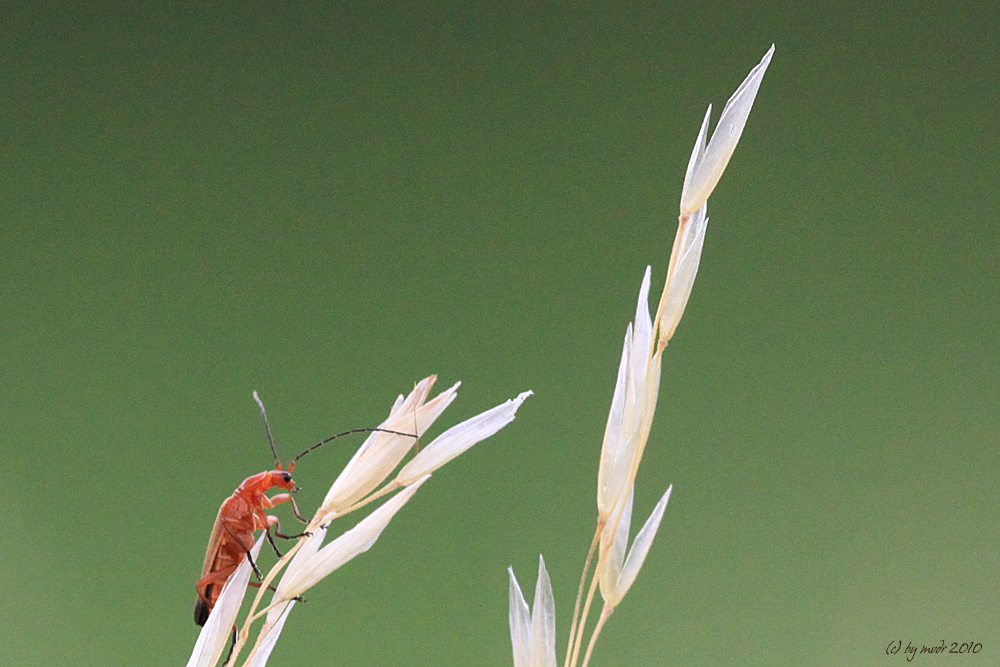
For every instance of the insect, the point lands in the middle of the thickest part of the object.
(242, 513)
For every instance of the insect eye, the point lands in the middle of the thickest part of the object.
(287, 477)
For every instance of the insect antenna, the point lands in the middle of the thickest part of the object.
(277, 461)
(267, 427)
(356, 430)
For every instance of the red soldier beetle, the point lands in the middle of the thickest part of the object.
(242, 513)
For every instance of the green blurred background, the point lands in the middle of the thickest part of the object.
(327, 204)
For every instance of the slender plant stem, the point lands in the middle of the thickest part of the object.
(579, 592)
(586, 612)
(605, 615)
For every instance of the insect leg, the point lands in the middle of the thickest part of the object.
(271, 540)
(295, 509)
(246, 550)
(273, 521)
(231, 647)
(290, 537)
(279, 498)
(254, 565)
(257, 584)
